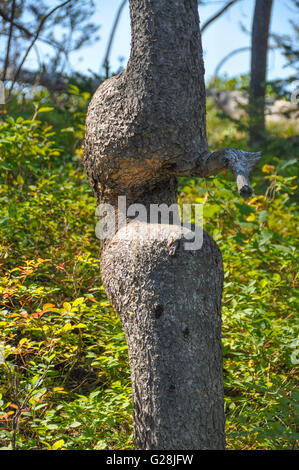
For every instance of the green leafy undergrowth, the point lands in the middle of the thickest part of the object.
(65, 380)
(258, 242)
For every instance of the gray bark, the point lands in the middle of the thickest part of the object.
(151, 118)
(149, 122)
(144, 128)
(259, 52)
(169, 303)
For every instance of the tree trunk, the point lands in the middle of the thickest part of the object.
(169, 303)
(259, 52)
(144, 128)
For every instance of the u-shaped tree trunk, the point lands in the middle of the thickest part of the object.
(144, 128)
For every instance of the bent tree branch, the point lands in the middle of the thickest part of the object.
(44, 19)
(217, 15)
(111, 37)
(14, 23)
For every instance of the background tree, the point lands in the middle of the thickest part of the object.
(144, 128)
(259, 53)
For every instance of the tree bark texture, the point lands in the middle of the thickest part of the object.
(144, 128)
(259, 52)
(151, 118)
(169, 301)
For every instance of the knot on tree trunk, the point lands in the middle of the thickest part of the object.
(131, 147)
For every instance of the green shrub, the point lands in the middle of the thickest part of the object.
(65, 382)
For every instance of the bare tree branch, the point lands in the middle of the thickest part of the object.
(226, 58)
(229, 56)
(33, 42)
(112, 34)
(240, 163)
(15, 24)
(217, 15)
(29, 34)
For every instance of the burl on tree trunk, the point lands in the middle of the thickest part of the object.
(144, 128)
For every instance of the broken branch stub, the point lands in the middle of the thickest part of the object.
(241, 163)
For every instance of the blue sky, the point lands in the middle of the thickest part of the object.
(223, 36)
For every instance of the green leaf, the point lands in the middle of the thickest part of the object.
(58, 444)
(45, 109)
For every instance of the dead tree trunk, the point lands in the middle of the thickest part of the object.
(144, 128)
(259, 52)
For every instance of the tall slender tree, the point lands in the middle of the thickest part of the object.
(259, 53)
(144, 128)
